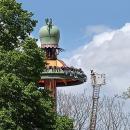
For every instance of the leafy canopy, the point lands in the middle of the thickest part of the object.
(64, 123)
(15, 24)
(22, 105)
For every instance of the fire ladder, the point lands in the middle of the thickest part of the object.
(97, 81)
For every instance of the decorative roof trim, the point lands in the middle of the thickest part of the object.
(49, 46)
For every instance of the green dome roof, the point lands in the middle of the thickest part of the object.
(49, 34)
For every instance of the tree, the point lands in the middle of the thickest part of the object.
(111, 113)
(15, 24)
(64, 123)
(75, 106)
(22, 105)
(26, 62)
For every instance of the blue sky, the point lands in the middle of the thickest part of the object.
(73, 16)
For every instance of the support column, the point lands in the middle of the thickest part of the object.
(50, 84)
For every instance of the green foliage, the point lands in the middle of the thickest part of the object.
(26, 62)
(24, 107)
(15, 24)
(64, 123)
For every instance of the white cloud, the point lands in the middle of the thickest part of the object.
(96, 29)
(109, 53)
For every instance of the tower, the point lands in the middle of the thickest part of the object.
(56, 72)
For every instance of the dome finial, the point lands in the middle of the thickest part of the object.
(49, 24)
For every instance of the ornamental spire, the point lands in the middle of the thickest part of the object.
(49, 24)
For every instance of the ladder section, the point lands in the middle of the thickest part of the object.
(97, 80)
(96, 91)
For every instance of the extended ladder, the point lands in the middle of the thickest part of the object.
(96, 90)
(97, 80)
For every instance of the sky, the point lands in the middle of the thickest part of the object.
(95, 35)
(74, 16)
